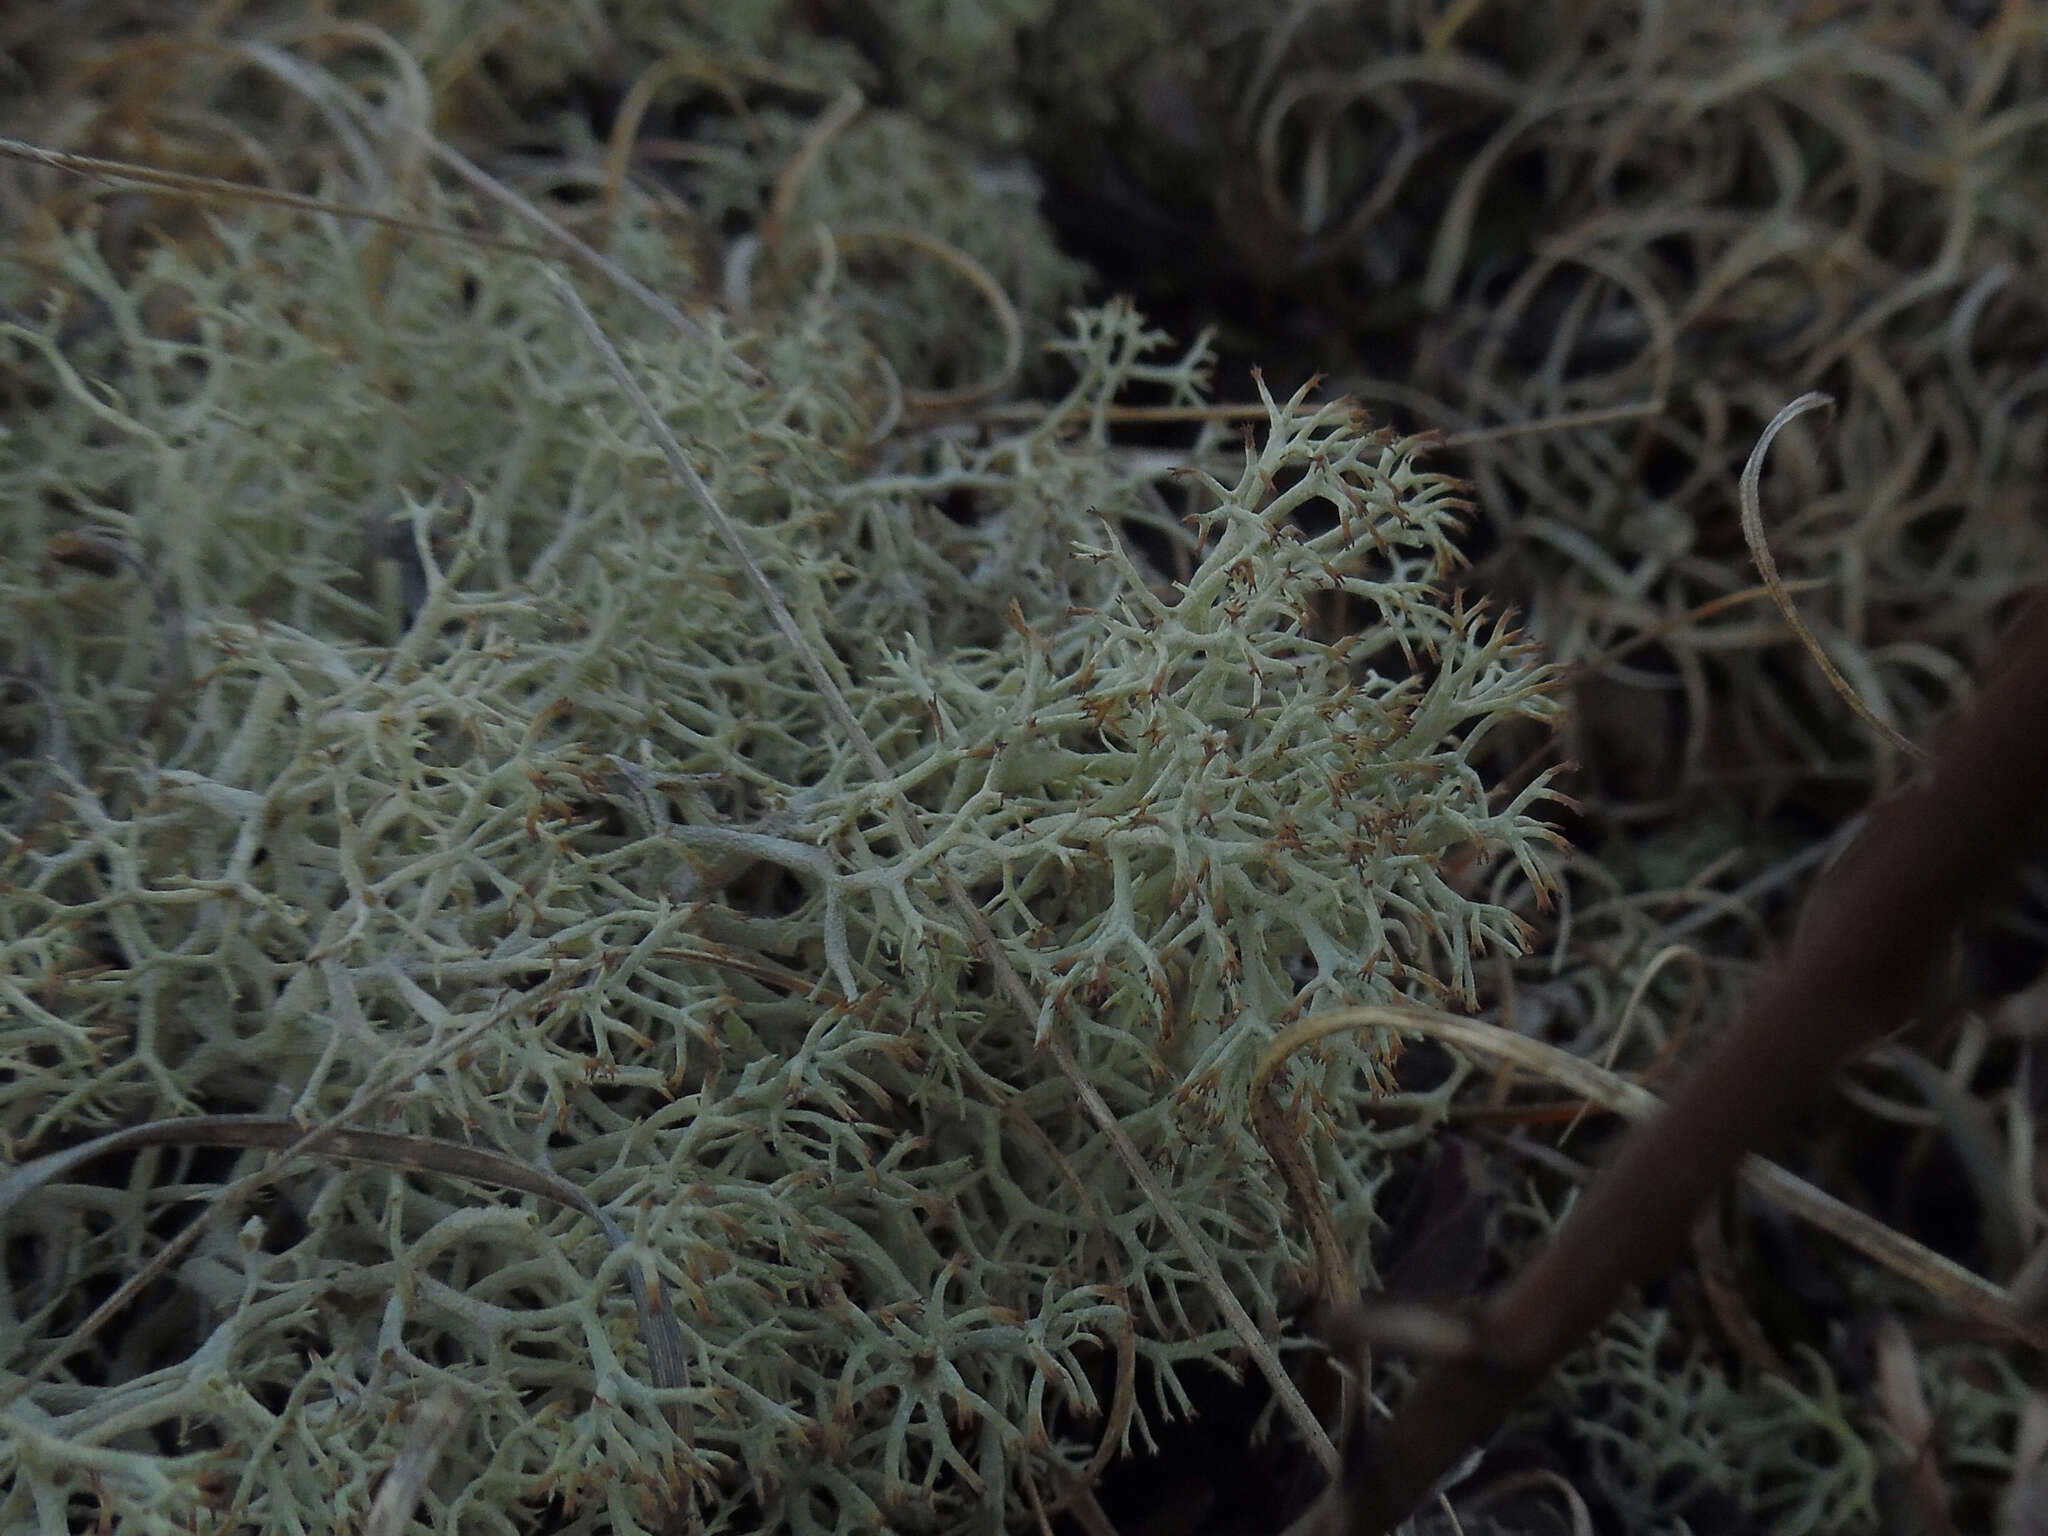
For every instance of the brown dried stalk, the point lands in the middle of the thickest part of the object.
(1855, 971)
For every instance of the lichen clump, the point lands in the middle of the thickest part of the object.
(582, 785)
(371, 682)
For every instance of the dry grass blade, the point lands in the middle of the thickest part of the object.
(212, 189)
(978, 277)
(1678, 623)
(333, 93)
(1636, 993)
(207, 188)
(1335, 1281)
(789, 185)
(1076, 1493)
(684, 65)
(398, 1496)
(1946, 1280)
(1760, 549)
(1004, 373)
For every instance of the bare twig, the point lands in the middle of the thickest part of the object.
(1853, 973)
(213, 189)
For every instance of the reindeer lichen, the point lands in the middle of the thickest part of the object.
(369, 683)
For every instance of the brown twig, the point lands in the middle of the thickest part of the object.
(1854, 972)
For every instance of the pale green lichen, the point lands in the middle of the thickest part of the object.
(385, 688)
(1667, 1429)
(480, 720)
